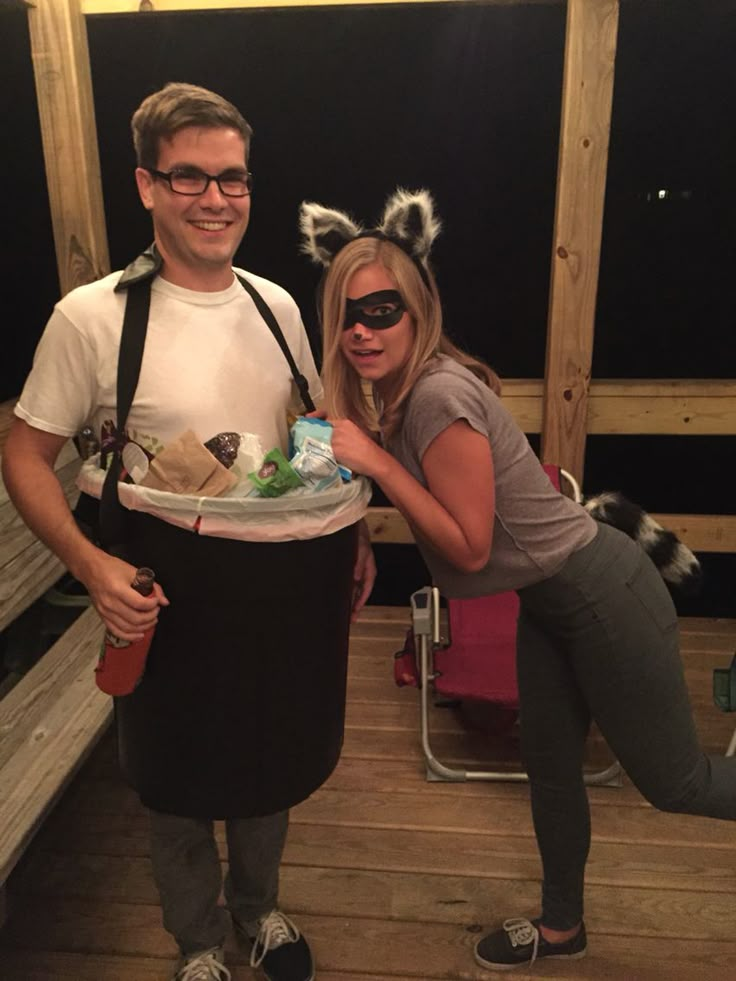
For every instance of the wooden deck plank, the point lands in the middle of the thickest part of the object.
(60, 966)
(357, 947)
(390, 877)
(42, 965)
(47, 736)
(496, 809)
(407, 895)
(673, 867)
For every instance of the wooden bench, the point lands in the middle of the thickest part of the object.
(54, 715)
(49, 722)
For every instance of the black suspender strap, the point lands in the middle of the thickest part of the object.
(265, 311)
(130, 357)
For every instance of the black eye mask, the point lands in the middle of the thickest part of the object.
(377, 311)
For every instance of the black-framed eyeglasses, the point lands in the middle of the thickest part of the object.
(192, 182)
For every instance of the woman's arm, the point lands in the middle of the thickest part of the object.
(456, 514)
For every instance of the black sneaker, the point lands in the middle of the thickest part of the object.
(205, 965)
(278, 949)
(519, 943)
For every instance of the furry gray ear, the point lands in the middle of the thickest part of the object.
(324, 231)
(409, 218)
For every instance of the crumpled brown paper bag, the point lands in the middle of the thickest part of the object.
(186, 466)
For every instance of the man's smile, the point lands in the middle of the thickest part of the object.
(210, 226)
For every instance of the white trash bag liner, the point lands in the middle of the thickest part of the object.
(299, 514)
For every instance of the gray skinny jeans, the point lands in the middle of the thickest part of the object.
(599, 639)
(186, 867)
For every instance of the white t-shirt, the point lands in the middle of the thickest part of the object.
(210, 364)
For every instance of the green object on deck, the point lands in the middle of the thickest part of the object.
(724, 687)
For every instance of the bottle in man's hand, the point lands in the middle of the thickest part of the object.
(122, 662)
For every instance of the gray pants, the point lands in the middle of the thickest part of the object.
(186, 867)
(599, 639)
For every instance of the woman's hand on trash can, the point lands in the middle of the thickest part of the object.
(364, 572)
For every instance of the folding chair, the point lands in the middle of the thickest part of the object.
(479, 665)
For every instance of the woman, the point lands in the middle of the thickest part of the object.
(597, 634)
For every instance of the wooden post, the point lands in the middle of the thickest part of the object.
(587, 91)
(66, 110)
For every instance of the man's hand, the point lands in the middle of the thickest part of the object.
(123, 610)
(364, 573)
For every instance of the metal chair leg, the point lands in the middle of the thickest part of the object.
(425, 618)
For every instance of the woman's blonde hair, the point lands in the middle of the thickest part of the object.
(345, 394)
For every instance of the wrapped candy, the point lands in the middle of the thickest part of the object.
(276, 475)
(224, 447)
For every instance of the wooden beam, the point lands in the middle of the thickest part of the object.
(69, 134)
(212, 6)
(590, 53)
(637, 408)
(700, 532)
(633, 407)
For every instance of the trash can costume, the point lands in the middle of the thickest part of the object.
(240, 711)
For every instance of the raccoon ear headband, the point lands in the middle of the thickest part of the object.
(409, 221)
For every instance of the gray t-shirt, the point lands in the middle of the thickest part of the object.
(535, 527)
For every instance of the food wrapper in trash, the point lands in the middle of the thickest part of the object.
(224, 447)
(310, 427)
(316, 465)
(250, 455)
(240, 453)
(186, 467)
(276, 475)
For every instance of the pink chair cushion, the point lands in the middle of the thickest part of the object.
(481, 661)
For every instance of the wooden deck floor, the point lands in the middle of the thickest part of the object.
(392, 877)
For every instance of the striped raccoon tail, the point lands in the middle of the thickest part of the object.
(676, 563)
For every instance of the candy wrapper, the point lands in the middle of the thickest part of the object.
(250, 456)
(224, 447)
(276, 475)
(316, 465)
(314, 429)
(241, 453)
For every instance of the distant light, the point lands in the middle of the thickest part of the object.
(666, 194)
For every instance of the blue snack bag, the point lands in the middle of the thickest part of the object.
(315, 429)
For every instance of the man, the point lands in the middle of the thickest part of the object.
(238, 715)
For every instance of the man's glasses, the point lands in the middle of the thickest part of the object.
(192, 182)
